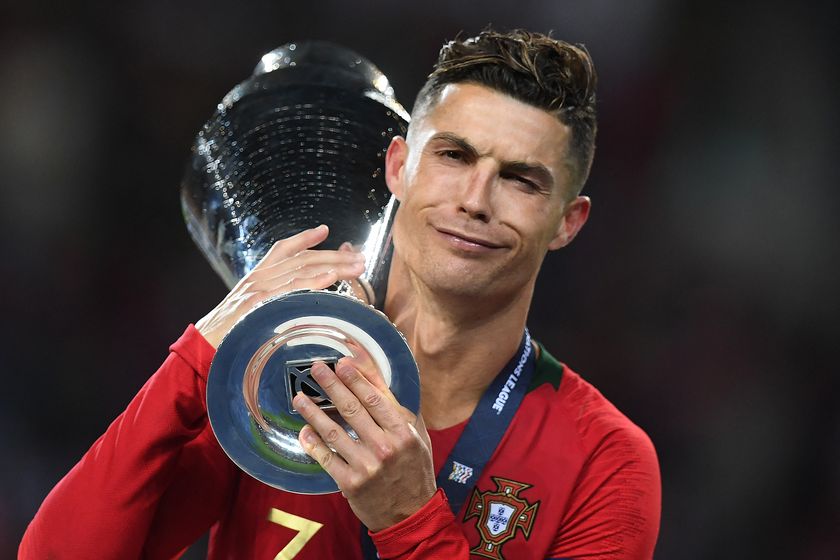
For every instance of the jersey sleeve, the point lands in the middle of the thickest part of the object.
(615, 507)
(432, 533)
(126, 497)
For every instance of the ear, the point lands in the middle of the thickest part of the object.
(395, 160)
(574, 216)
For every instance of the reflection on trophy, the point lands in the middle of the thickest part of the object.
(299, 143)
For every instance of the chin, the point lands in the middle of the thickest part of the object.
(463, 283)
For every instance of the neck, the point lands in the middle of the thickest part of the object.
(460, 344)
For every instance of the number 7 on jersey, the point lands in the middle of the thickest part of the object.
(306, 529)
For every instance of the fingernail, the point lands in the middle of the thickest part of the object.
(319, 369)
(307, 435)
(344, 367)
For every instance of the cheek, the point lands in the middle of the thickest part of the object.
(402, 228)
(417, 198)
(398, 227)
(536, 226)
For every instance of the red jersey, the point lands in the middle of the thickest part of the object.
(571, 478)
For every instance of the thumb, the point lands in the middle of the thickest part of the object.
(420, 426)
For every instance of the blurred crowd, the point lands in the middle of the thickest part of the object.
(700, 298)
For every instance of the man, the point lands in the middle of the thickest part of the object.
(489, 177)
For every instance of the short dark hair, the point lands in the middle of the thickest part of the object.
(533, 68)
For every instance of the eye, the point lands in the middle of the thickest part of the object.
(527, 183)
(452, 154)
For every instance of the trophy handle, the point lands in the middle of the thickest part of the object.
(372, 286)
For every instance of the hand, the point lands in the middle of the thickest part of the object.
(387, 474)
(288, 265)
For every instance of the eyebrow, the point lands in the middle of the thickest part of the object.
(535, 170)
(462, 143)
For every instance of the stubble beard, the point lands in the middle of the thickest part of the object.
(462, 281)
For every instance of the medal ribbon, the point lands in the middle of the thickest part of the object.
(482, 434)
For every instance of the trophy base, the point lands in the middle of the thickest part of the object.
(266, 359)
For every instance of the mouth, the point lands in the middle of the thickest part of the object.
(468, 240)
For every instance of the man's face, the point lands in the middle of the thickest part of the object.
(484, 193)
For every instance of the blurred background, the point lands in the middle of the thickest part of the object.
(701, 298)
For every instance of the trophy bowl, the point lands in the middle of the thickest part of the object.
(299, 143)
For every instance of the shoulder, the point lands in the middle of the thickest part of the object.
(584, 409)
(616, 498)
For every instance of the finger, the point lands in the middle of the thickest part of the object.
(363, 361)
(318, 255)
(317, 282)
(330, 461)
(346, 402)
(293, 245)
(382, 407)
(306, 277)
(349, 247)
(341, 272)
(308, 259)
(330, 432)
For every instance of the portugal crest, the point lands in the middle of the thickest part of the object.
(499, 514)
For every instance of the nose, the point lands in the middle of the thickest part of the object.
(476, 193)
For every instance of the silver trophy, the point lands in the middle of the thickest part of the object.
(299, 143)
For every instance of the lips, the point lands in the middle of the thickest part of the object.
(477, 240)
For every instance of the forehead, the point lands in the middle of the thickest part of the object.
(498, 125)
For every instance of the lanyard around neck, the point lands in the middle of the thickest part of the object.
(487, 426)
